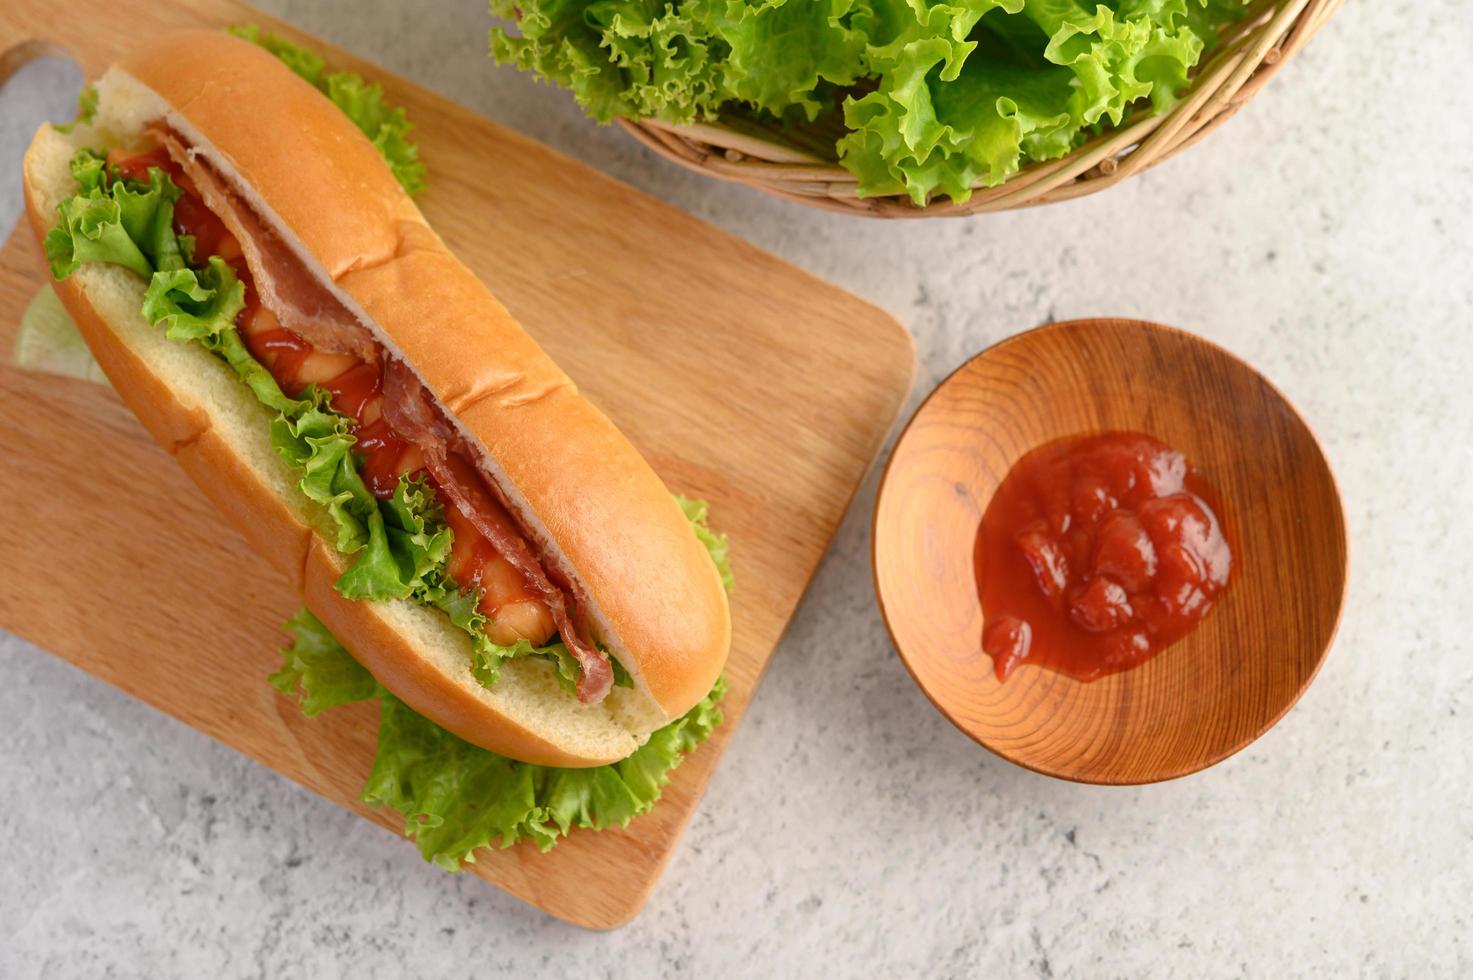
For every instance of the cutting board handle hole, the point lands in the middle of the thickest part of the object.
(22, 53)
(39, 82)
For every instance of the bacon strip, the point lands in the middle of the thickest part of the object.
(412, 415)
(302, 304)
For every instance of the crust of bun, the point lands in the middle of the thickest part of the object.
(576, 481)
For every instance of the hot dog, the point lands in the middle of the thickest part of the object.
(275, 309)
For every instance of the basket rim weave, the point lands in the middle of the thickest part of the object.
(1251, 53)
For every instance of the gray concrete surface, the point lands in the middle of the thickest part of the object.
(1324, 235)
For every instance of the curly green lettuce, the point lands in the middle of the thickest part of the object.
(317, 670)
(697, 512)
(86, 109)
(122, 222)
(361, 101)
(454, 797)
(921, 97)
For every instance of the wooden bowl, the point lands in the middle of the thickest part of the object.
(1203, 698)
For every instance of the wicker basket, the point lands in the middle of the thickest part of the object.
(1250, 53)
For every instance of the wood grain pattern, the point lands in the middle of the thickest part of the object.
(1198, 701)
(702, 348)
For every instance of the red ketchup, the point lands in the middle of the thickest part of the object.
(1096, 553)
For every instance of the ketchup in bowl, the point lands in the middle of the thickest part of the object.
(1096, 553)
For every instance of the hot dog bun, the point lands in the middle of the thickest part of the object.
(596, 507)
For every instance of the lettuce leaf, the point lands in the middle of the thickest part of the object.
(782, 56)
(91, 230)
(318, 442)
(86, 110)
(945, 119)
(682, 61)
(361, 101)
(619, 59)
(87, 170)
(305, 62)
(697, 512)
(198, 304)
(455, 797)
(318, 669)
(419, 539)
(486, 655)
(49, 342)
(922, 97)
(387, 126)
(121, 222)
(147, 214)
(401, 542)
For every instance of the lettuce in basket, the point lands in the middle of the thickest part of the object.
(921, 97)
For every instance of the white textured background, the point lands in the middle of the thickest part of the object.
(1325, 235)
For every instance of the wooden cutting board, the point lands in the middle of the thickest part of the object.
(741, 378)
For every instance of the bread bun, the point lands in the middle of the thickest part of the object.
(591, 502)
